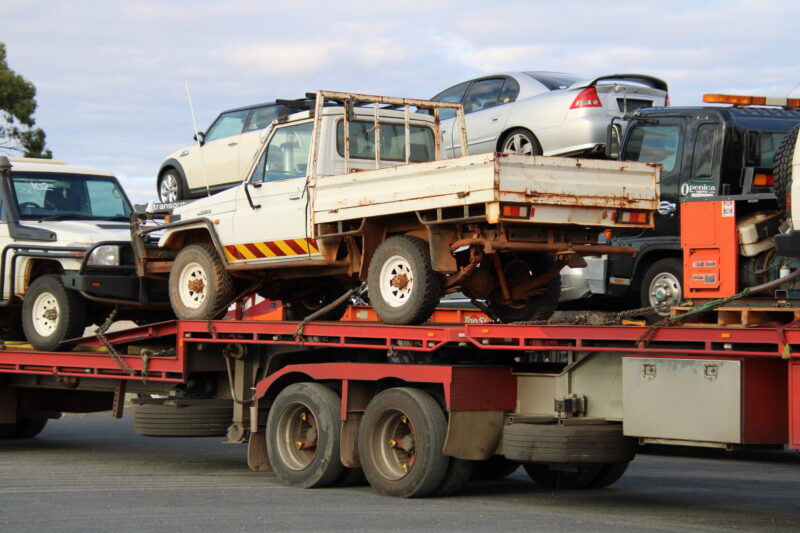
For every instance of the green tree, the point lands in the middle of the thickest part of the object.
(17, 105)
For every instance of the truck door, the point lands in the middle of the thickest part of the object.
(272, 224)
(703, 177)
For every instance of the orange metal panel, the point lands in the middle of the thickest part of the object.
(710, 249)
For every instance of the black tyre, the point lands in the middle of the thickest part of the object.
(520, 141)
(554, 443)
(30, 427)
(170, 186)
(199, 286)
(303, 436)
(351, 477)
(783, 166)
(8, 431)
(609, 474)
(494, 468)
(459, 473)
(519, 269)
(403, 287)
(51, 313)
(400, 443)
(197, 418)
(570, 478)
(662, 285)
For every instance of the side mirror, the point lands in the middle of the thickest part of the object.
(613, 140)
(200, 137)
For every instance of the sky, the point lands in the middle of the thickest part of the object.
(110, 76)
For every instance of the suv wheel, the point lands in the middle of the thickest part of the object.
(51, 313)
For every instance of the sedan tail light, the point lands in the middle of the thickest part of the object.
(586, 98)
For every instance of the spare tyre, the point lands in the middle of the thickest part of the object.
(184, 418)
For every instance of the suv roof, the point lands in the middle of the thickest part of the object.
(27, 164)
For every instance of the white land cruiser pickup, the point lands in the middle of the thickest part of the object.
(66, 252)
(354, 189)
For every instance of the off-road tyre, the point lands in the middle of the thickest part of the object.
(494, 468)
(199, 264)
(539, 306)
(70, 309)
(783, 166)
(577, 477)
(403, 259)
(197, 418)
(404, 416)
(306, 413)
(170, 176)
(554, 443)
(520, 141)
(664, 275)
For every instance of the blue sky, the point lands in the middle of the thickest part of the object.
(110, 75)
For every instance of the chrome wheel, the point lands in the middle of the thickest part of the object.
(665, 290)
(192, 285)
(168, 189)
(518, 143)
(396, 281)
(45, 314)
(297, 437)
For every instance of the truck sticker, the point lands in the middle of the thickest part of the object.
(704, 264)
(698, 190)
(705, 278)
(261, 250)
(728, 208)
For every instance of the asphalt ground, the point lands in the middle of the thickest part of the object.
(92, 473)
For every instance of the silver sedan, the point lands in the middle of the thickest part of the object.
(544, 113)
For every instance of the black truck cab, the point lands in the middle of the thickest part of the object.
(705, 152)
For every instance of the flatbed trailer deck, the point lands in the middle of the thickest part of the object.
(498, 386)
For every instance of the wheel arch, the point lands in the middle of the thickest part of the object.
(173, 164)
(36, 268)
(645, 260)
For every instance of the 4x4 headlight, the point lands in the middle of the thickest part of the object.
(106, 255)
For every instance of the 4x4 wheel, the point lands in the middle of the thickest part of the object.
(199, 286)
(51, 313)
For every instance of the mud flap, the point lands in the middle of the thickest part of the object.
(473, 435)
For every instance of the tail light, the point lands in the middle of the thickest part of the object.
(666, 101)
(586, 98)
(764, 180)
(517, 211)
(630, 217)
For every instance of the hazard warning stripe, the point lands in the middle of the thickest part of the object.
(269, 249)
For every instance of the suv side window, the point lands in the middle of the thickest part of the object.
(226, 125)
(483, 94)
(286, 155)
(453, 94)
(261, 117)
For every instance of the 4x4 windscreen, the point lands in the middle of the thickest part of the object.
(393, 142)
(43, 196)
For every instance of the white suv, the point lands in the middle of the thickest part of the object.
(221, 156)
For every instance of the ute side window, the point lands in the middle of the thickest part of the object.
(286, 155)
(226, 125)
(654, 144)
(705, 146)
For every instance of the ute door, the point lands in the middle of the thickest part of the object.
(219, 153)
(271, 226)
(447, 117)
(486, 110)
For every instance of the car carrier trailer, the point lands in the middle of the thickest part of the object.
(421, 409)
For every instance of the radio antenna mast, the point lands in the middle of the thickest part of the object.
(197, 138)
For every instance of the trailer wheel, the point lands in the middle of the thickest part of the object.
(554, 443)
(303, 436)
(51, 313)
(572, 477)
(783, 166)
(199, 286)
(494, 468)
(541, 306)
(662, 285)
(403, 287)
(459, 473)
(195, 418)
(609, 474)
(351, 477)
(400, 443)
(30, 427)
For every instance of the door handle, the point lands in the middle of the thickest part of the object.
(234, 143)
(494, 119)
(295, 196)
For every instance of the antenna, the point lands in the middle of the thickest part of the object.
(197, 138)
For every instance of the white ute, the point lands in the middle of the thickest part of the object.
(353, 188)
(61, 225)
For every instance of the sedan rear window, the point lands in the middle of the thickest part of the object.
(554, 81)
